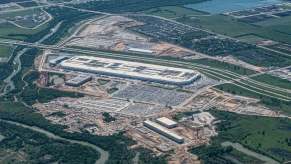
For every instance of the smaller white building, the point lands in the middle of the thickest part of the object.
(163, 131)
(139, 50)
(167, 122)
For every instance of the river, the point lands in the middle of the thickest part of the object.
(104, 155)
(8, 82)
(9, 86)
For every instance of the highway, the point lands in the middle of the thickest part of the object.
(221, 74)
(224, 75)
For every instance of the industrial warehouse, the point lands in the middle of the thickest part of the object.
(167, 122)
(126, 69)
(164, 131)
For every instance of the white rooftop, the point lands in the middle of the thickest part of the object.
(130, 69)
(140, 50)
(166, 121)
(163, 129)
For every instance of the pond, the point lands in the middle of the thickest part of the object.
(222, 6)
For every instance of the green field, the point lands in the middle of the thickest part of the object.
(28, 4)
(5, 51)
(266, 136)
(28, 18)
(272, 103)
(231, 27)
(8, 30)
(13, 14)
(269, 136)
(252, 39)
(118, 6)
(172, 11)
(281, 24)
(224, 66)
(273, 80)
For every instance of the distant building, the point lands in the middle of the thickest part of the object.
(163, 131)
(167, 122)
(78, 80)
(140, 50)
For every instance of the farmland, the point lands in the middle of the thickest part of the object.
(5, 51)
(231, 27)
(172, 12)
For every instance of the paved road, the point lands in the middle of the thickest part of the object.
(228, 76)
(236, 79)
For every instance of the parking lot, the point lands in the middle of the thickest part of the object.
(151, 94)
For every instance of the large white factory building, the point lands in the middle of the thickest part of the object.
(128, 69)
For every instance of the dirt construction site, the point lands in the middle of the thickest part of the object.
(110, 103)
(113, 33)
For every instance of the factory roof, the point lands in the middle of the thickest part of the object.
(130, 69)
(140, 50)
(166, 121)
(163, 129)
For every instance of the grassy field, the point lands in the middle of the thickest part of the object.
(28, 18)
(281, 24)
(118, 6)
(267, 90)
(172, 11)
(269, 136)
(27, 4)
(8, 30)
(223, 65)
(272, 103)
(252, 39)
(273, 80)
(13, 14)
(5, 51)
(231, 27)
(9, 1)
(231, 88)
